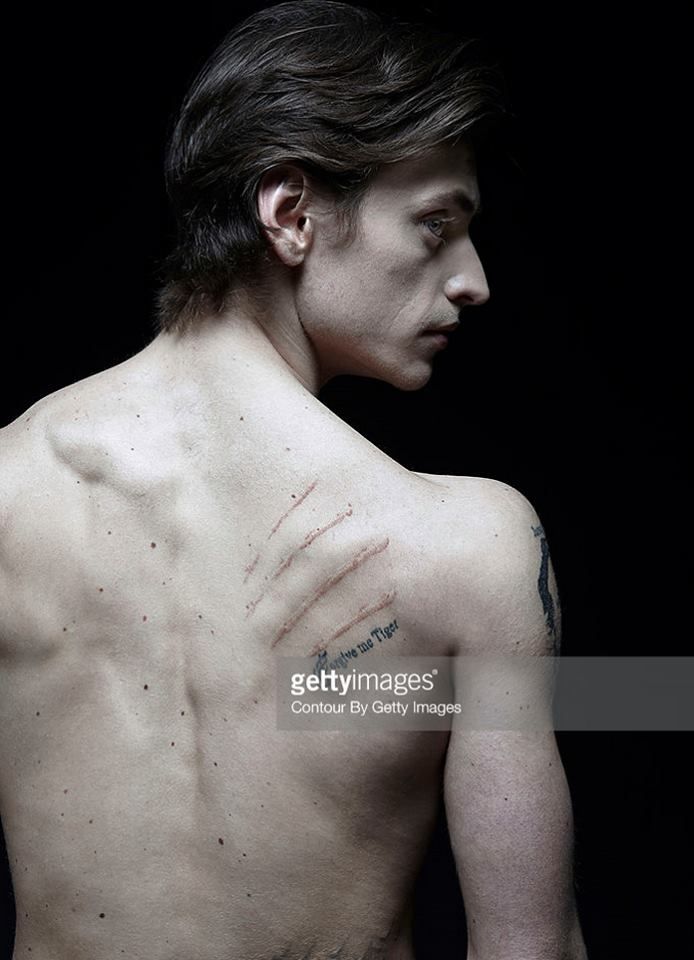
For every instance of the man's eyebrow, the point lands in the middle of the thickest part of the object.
(457, 196)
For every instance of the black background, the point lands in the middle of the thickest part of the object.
(568, 384)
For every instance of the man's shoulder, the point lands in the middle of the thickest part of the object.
(24, 472)
(27, 447)
(62, 439)
(49, 456)
(476, 510)
(35, 485)
(20, 456)
(483, 549)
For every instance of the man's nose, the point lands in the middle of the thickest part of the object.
(468, 287)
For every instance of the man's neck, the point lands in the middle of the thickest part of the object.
(219, 354)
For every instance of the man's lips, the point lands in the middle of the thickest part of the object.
(449, 328)
(439, 335)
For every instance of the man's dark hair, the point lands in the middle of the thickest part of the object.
(339, 90)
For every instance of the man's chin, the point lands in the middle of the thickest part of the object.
(409, 378)
(406, 376)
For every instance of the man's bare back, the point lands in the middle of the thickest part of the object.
(157, 553)
(173, 525)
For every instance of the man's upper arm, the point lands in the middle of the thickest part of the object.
(506, 795)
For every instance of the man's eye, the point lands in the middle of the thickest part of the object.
(437, 225)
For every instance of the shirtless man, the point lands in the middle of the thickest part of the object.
(151, 807)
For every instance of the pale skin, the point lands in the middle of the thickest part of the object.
(173, 523)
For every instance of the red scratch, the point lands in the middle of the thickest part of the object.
(363, 613)
(309, 538)
(250, 607)
(251, 567)
(362, 555)
(300, 500)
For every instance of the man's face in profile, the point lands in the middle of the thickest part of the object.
(369, 307)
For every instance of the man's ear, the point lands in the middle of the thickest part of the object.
(284, 200)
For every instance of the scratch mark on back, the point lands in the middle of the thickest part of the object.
(310, 537)
(363, 612)
(297, 503)
(360, 557)
(286, 563)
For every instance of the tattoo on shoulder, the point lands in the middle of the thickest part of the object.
(377, 635)
(548, 605)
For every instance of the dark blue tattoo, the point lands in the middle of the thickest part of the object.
(543, 589)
